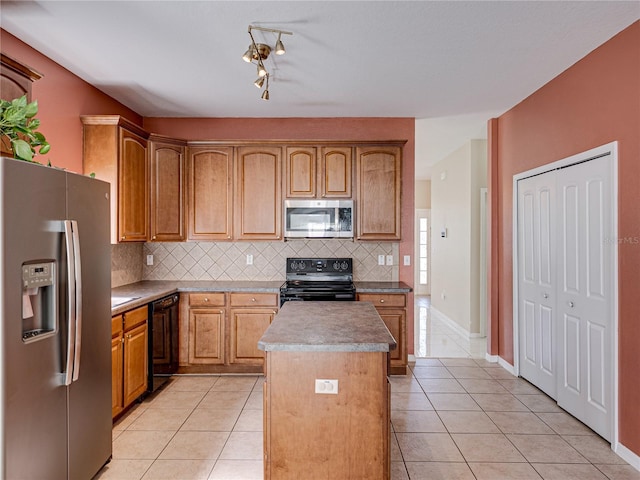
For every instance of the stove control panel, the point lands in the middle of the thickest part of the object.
(320, 265)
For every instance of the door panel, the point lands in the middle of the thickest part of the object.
(536, 286)
(586, 293)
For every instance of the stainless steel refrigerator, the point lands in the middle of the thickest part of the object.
(55, 339)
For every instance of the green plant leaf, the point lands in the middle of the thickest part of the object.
(31, 109)
(22, 150)
(14, 115)
(20, 102)
(45, 148)
(39, 138)
(33, 124)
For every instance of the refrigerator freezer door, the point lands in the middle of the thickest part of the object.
(34, 398)
(90, 394)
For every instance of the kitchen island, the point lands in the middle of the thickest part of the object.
(326, 393)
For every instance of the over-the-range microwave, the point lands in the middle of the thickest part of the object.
(318, 218)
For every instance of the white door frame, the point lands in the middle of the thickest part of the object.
(484, 195)
(610, 148)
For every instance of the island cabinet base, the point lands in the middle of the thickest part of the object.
(310, 435)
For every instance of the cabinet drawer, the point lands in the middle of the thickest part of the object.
(384, 299)
(116, 326)
(135, 317)
(254, 299)
(206, 299)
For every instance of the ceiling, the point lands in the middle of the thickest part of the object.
(449, 64)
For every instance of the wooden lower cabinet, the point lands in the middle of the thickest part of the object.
(117, 359)
(311, 436)
(129, 357)
(392, 308)
(219, 331)
(250, 315)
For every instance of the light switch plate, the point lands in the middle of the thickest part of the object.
(407, 260)
(380, 259)
(149, 259)
(249, 259)
(389, 259)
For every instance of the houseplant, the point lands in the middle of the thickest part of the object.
(18, 129)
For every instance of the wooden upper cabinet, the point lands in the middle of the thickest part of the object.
(168, 189)
(300, 172)
(258, 195)
(335, 172)
(133, 192)
(379, 172)
(318, 172)
(210, 210)
(116, 151)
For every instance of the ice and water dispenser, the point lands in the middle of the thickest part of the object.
(39, 309)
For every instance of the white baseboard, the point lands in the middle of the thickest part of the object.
(507, 366)
(491, 358)
(411, 358)
(627, 455)
(453, 325)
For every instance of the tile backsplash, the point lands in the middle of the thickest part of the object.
(228, 260)
(126, 263)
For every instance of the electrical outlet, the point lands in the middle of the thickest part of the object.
(249, 259)
(407, 260)
(380, 259)
(326, 386)
(149, 259)
(389, 259)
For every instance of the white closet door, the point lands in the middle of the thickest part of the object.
(537, 281)
(585, 387)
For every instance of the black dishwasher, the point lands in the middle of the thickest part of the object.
(163, 340)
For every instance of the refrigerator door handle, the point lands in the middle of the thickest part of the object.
(78, 300)
(71, 302)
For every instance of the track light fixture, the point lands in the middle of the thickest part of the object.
(259, 52)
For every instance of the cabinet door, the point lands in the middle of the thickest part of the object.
(167, 192)
(132, 191)
(395, 320)
(335, 172)
(117, 352)
(206, 336)
(258, 206)
(136, 349)
(378, 193)
(247, 327)
(210, 193)
(300, 172)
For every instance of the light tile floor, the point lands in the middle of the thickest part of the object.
(453, 417)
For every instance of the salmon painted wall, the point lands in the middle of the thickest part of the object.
(594, 102)
(62, 98)
(317, 129)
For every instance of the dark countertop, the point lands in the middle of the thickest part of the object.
(382, 287)
(327, 327)
(150, 290)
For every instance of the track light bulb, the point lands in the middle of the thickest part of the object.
(248, 55)
(259, 82)
(280, 46)
(265, 95)
(261, 70)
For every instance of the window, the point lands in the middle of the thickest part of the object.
(422, 260)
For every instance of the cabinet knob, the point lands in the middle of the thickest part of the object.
(123, 237)
(153, 238)
(382, 300)
(228, 236)
(253, 299)
(571, 304)
(545, 295)
(206, 299)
